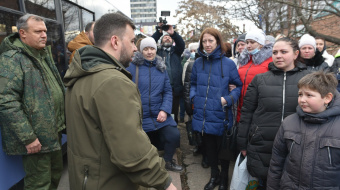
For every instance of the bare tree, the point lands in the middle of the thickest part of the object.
(292, 17)
(196, 15)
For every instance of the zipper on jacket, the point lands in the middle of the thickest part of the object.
(284, 95)
(86, 175)
(206, 97)
(150, 95)
(329, 156)
(291, 147)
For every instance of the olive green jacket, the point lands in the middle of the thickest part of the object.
(26, 104)
(107, 147)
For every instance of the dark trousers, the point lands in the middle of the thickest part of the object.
(212, 147)
(167, 139)
(181, 108)
(175, 105)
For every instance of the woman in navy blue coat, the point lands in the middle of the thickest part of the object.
(149, 74)
(210, 77)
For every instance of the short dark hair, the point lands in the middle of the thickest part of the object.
(89, 26)
(108, 25)
(22, 21)
(320, 81)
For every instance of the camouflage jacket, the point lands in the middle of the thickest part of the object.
(26, 104)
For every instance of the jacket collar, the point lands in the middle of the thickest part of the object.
(216, 54)
(139, 60)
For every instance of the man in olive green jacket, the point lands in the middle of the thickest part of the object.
(107, 147)
(32, 103)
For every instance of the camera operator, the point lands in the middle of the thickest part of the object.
(171, 55)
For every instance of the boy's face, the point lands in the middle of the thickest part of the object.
(311, 101)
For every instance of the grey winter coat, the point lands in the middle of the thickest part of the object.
(306, 152)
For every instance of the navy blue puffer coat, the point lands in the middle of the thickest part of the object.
(155, 89)
(210, 78)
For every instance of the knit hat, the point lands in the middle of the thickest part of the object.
(164, 34)
(241, 38)
(307, 39)
(257, 35)
(148, 42)
(193, 46)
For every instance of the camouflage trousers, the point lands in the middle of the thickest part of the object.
(43, 171)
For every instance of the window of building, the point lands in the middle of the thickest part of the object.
(44, 8)
(13, 4)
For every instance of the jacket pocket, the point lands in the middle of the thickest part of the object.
(293, 139)
(254, 134)
(332, 147)
(86, 175)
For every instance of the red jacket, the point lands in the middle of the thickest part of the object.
(247, 73)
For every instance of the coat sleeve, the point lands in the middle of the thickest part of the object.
(186, 91)
(12, 114)
(250, 102)
(180, 44)
(193, 81)
(157, 35)
(167, 95)
(234, 79)
(121, 124)
(277, 161)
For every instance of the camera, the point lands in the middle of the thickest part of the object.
(165, 26)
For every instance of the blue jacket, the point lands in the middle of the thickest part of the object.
(210, 79)
(175, 60)
(155, 90)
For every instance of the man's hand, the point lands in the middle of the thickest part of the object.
(34, 147)
(160, 27)
(171, 30)
(223, 101)
(171, 187)
(162, 116)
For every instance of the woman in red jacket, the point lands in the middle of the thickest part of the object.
(253, 60)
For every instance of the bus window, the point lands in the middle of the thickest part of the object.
(44, 8)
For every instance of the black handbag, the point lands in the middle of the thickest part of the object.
(229, 140)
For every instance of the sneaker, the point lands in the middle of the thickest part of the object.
(172, 166)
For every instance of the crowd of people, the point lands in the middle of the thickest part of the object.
(122, 100)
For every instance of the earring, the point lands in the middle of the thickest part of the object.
(326, 105)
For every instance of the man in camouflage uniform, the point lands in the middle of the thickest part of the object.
(32, 103)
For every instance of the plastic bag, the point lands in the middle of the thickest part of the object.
(241, 179)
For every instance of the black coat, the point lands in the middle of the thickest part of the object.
(186, 91)
(316, 63)
(175, 61)
(306, 152)
(270, 97)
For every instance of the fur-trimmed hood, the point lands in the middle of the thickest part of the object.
(139, 60)
(265, 52)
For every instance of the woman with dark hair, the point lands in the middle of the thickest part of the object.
(210, 77)
(271, 96)
(310, 55)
